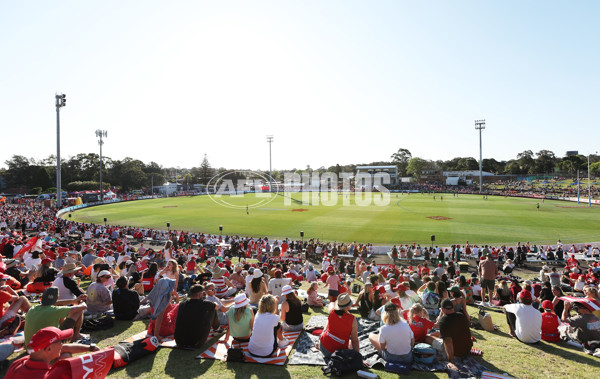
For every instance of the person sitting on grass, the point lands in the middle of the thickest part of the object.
(418, 320)
(454, 331)
(267, 334)
(314, 300)
(583, 327)
(45, 348)
(341, 331)
(524, 321)
(502, 294)
(65, 314)
(195, 318)
(99, 299)
(550, 323)
(221, 309)
(291, 311)
(126, 303)
(241, 319)
(395, 339)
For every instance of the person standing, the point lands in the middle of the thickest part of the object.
(488, 271)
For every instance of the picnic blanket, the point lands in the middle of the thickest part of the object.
(305, 355)
(219, 350)
(165, 342)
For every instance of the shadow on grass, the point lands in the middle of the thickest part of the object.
(181, 363)
(567, 352)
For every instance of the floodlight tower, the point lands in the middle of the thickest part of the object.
(100, 134)
(61, 101)
(270, 140)
(480, 125)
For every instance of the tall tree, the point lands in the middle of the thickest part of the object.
(401, 159)
(415, 166)
(206, 172)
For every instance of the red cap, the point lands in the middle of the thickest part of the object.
(330, 269)
(46, 260)
(396, 302)
(400, 287)
(47, 336)
(525, 295)
(410, 268)
(439, 265)
(393, 282)
(381, 289)
(547, 304)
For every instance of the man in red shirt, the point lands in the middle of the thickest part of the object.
(45, 348)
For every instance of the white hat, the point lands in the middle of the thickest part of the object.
(104, 273)
(286, 289)
(240, 301)
(257, 273)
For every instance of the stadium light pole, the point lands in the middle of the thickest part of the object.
(61, 101)
(589, 184)
(100, 134)
(480, 125)
(270, 140)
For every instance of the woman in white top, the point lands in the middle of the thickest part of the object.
(267, 334)
(395, 339)
(171, 271)
(168, 250)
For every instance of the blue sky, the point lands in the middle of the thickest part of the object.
(333, 81)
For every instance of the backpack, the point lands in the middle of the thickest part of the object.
(102, 323)
(431, 300)
(344, 361)
(424, 353)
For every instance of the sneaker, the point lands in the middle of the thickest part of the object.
(283, 343)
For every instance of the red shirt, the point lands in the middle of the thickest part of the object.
(25, 368)
(550, 324)
(337, 334)
(420, 326)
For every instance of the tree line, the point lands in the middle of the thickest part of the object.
(82, 171)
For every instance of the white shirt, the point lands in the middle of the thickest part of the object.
(397, 338)
(528, 326)
(262, 338)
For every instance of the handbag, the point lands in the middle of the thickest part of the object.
(235, 354)
(485, 320)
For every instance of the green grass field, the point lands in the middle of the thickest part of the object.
(405, 219)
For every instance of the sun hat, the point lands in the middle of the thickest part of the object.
(257, 274)
(343, 301)
(70, 267)
(240, 301)
(286, 290)
(50, 296)
(547, 305)
(217, 273)
(46, 337)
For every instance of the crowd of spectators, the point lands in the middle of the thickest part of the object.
(195, 276)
